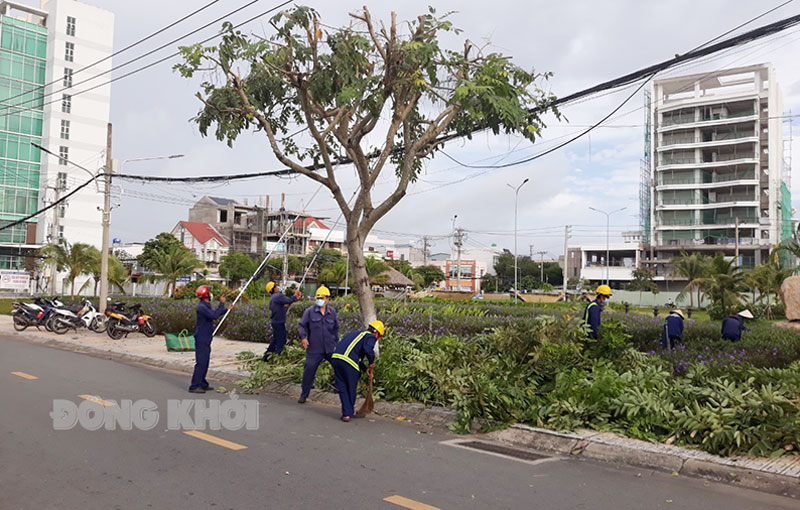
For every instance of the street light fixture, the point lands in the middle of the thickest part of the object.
(516, 196)
(107, 217)
(608, 215)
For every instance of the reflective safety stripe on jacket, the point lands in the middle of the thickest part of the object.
(346, 356)
(586, 312)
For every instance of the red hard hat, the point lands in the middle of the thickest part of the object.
(202, 292)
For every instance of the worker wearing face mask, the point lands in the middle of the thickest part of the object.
(319, 333)
(278, 305)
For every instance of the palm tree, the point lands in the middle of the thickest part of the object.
(172, 263)
(117, 274)
(76, 259)
(724, 283)
(767, 279)
(694, 268)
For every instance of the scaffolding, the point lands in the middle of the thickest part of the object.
(645, 178)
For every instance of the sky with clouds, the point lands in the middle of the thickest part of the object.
(581, 42)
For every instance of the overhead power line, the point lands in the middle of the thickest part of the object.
(147, 66)
(118, 52)
(698, 52)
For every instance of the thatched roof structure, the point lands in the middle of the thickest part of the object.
(392, 278)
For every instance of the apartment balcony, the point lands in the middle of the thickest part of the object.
(615, 273)
(698, 142)
(669, 162)
(714, 243)
(719, 222)
(743, 200)
(679, 122)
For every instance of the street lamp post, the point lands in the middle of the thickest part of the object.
(608, 250)
(107, 217)
(516, 196)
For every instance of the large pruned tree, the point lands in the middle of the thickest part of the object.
(392, 83)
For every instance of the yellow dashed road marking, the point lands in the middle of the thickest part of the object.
(24, 375)
(409, 503)
(97, 400)
(217, 441)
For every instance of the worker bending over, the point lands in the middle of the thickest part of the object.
(733, 326)
(591, 315)
(347, 364)
(673, 329)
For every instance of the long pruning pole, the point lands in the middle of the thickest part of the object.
(263, 262)
(322, 245)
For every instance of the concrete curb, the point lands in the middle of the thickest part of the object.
(772, 476)
(781, 478)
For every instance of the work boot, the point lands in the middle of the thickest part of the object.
(196, 390)
(209, 388)
(301, 400)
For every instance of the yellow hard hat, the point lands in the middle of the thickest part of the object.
(270, 286)
(378, 327)
(323, 292)
(604, 290)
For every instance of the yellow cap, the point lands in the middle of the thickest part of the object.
(270, 286)
(604, 290)
(323, 292)
(378, 326)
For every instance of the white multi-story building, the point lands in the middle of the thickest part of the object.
(719, 162)
(47, 52)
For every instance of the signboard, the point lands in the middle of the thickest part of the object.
(390, 254)
(16, 280)
(184, 279)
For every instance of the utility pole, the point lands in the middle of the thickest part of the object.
(737, 241)
(565, 278)
(541, 265)
(55, 238)
(530, 247)
(425, 242)
(516, 197)
(106, 225)
(459, 242)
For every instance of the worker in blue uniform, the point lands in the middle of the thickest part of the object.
(203, 334)
(733, 326)
(347, 364)
(319, 333)
(673, 329)
(591, 315)
(278, 305)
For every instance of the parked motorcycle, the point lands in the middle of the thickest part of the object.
(63, 319)
(39, 313)
(123, 319)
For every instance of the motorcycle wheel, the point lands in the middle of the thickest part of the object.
(48, 324)
(148, 329)
(60, 327)
(113, 331)
(98, 324)
(20, 323)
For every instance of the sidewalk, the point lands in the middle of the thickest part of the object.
(777, 476)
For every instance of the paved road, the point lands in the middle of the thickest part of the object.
(302, 457)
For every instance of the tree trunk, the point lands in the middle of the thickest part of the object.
(358, 266)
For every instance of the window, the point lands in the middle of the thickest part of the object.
(67, 77)
(70, 26)
(61, 181)
(66, 103)
(63, 155)
(223, 216)
(69, 52)
(65, 129)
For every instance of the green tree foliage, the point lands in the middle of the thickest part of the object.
(643, 281)
(162, 242)
(170, 264)
(429, 274)
(530, 273)
(236, 266)
(339, 85)
(117, 274)
(75, 259)
(694, 268)
(767, 280)
(723, 286)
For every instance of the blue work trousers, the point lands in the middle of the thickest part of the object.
(202, 355)
(313, 359)
(278, 339)
(347, 385)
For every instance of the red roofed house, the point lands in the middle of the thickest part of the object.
(309, 222)
(203, 240)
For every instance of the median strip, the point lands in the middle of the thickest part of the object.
(97, 400)
(409, 503)
(215, 440)
(24, 375)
